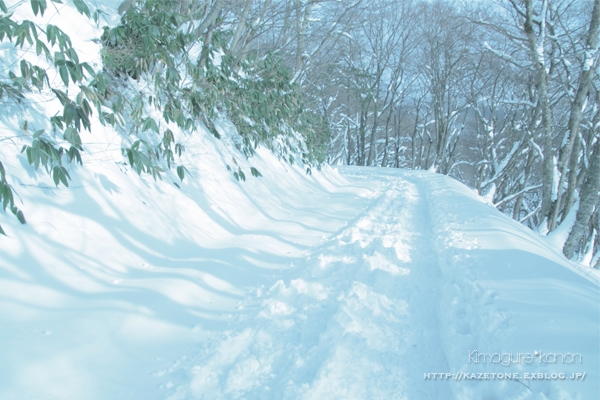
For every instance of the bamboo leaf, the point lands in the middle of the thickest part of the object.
(35, 7)
(255, 172)
(181, 172)
(19, 214)
(82, 7)
(64, 74)
(56, 175)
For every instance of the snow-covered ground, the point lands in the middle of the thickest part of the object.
(350, 283)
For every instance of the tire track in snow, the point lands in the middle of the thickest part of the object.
(358, 320)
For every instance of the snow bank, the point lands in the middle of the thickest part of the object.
(355, 285)
(117, 276)
(505, 291)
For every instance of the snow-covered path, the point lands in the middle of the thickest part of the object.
(357, 320)
(370, 312)
(338, 286)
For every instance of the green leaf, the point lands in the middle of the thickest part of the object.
(51, 34)
(255, 172)
(35, 5)
(41, 47)
(2, 230)
(25, 72)
(57, 122)
(181, 172)
(82, 7)
(88, 68)
(43, 6)
(168, 138)
(56, 175)
(64, 41)
(64, 74)
(73, 55)
(179, 149)
(72, 136)
(62, 97)
(19, 214)
(73, 154)
(7, 196)
(130, 156)
(84, 118)
(69, 113)
(65, 176)
(60, 175)
(150, 124)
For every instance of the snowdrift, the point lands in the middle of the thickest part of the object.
(358, 283)
(117, 264)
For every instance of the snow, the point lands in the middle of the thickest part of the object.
(558, 237)
(589, 60)
(350, 283)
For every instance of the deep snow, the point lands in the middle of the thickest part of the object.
(348, 285)
(351, 283)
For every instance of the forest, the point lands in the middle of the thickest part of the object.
(502, 95)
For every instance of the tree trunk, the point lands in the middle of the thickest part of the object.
(537, 54)
(371, 157)
(362, 137)
(301, 25)
(585, 81)
(587, 201)
(235, 41)
(210, 19)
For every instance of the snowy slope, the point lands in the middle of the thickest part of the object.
(118, 265)
(352, 284)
